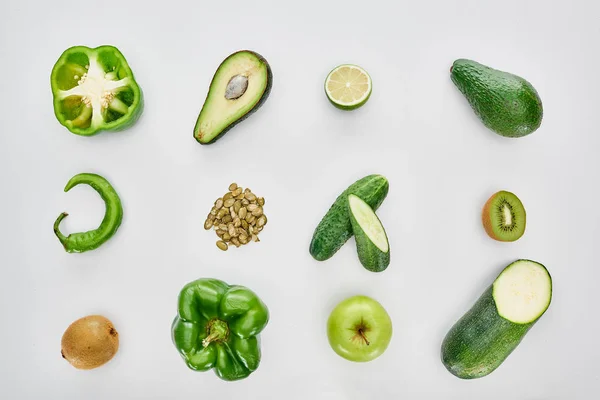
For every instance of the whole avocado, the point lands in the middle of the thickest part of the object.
(505, 103)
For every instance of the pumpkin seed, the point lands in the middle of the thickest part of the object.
(237, 217)
(261, 221)
(228, 203)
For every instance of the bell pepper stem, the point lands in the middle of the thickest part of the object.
(210, 338)
(217, 330)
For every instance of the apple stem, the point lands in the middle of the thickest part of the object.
(363, 336)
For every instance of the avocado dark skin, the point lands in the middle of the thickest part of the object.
(506, 103)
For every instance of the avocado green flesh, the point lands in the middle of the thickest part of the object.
(372, 243)
(482, 339)
(508, 217)
(218, 113)
(505, 103)
(336, 228)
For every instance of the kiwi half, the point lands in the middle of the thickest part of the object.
(504, 217)
(89, 342)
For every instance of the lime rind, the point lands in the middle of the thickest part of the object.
(348, 86)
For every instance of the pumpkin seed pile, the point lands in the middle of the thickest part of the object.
(237, 217)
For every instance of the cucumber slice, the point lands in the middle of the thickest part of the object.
(486, 335)
(335, 228)
(372, 243)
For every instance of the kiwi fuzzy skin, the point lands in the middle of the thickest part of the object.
(486, 218)
(90, 342)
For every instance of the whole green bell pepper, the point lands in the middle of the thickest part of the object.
(94, 90)
(217, 326)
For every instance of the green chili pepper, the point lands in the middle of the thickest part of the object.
(217, 326)
(94, 90)
(84, 241)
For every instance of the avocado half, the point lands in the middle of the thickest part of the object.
(240, 86)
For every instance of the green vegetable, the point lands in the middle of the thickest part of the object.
(371, 241)
(94, 90)
(485, 336)
(217, 326)
(505, 103)
(90, 240)
(240, 86)
(335, 228)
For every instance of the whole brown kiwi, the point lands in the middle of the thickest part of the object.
(90, 342)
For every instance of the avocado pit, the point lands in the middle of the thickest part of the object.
(236, 87)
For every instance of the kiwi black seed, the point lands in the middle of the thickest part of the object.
(90, 342)
(504, 217)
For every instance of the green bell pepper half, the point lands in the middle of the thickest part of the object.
(217, 327)
(94, 90)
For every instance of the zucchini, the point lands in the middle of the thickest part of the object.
(485, 336)
(335, 228)
(372, 243)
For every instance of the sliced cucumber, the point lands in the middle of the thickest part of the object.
(335, 228)
(486, 335)
(372, 243)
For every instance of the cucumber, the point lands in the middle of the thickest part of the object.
(482, 339)
(372, 243)
(335, 228)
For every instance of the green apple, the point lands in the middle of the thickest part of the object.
(359, 329)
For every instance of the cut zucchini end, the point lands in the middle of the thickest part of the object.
(523, 291)
(369, 222)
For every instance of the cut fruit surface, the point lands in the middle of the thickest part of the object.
(522, 292)
(369, 223)
(240, 86)
(504, 217)
(94, 90)
(488, 333)
(348, 86)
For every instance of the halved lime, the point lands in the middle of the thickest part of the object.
(348, 86)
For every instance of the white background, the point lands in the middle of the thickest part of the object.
(299, 152)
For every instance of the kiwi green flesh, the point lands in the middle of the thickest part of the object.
(507, 215)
